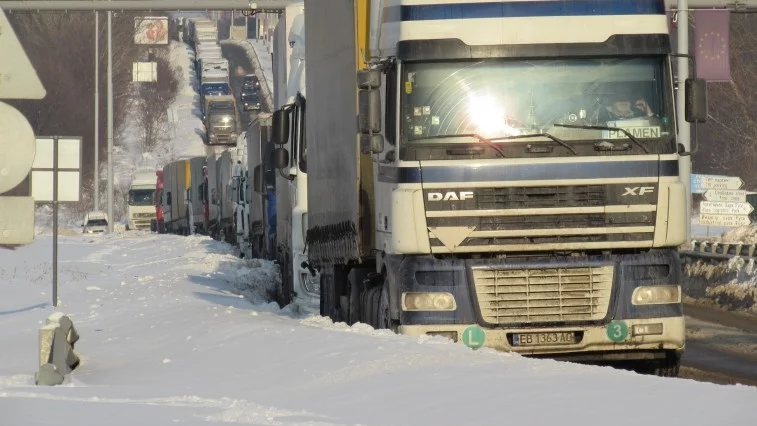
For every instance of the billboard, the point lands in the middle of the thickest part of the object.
(151, 30)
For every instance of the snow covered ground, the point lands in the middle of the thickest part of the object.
(731, 285)
(177, 330)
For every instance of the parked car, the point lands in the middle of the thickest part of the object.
(251, 80)
(250, 99)
(95, 223)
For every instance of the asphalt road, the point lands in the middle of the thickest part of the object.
(707, 362)
(239, 66)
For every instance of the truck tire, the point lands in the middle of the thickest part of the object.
(384, 316)
(667, 367)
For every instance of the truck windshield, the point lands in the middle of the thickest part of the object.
(141, 197)
(97, 222)
(222, 118)
(220, 89)
(498, 98)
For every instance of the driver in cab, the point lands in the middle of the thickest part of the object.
(624, 106)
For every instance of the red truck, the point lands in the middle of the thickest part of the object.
(157, 201)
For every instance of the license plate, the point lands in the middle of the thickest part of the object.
(544, 339)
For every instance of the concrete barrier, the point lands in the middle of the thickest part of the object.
(56, 350)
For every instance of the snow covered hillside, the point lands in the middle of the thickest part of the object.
(176, 330)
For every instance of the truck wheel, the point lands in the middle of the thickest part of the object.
(384, 316)
(328, 298)
(667, 367)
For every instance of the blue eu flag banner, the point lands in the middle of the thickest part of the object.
(712, 44)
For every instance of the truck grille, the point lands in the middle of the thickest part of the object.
(144, 215)
(535, 296)
(540, 217)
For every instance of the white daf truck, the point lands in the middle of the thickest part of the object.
(141, 203)
(512, 178)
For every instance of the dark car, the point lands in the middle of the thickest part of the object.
(250, 99)
(251, 81)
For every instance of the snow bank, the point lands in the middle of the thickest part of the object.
(731, 285)
(179, 330)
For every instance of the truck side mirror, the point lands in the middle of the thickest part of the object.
(258, 182)
(280, 127)
(280, 158)
(372, 144)
(696, 100)
(369, 112)
(368, 79)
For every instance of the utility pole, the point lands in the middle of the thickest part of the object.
(684, 128)
(110, 123)
(97, 112)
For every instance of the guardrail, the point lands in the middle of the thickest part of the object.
(713, 250)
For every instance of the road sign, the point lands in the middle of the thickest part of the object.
(18, 79)
(716, 207)
(16, 220)
(16, 147)
(67, 169)
(723, 220)
(701, 183)
(725, 195)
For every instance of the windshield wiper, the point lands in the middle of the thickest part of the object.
(534, 135)
(614, 129)
(468, 135)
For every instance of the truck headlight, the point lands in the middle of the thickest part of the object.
(656, 295)
(428, 301)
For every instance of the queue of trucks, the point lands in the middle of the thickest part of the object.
(491, 190)
(217, 104)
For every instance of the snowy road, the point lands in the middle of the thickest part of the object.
(239, 65)
(176, 330)
(723, 343)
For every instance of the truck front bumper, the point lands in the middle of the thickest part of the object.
(593, 343)
(544, 306)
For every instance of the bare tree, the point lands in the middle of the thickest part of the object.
(61, 49)
(153, 100)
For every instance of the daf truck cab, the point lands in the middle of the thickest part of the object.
(141, 203)
(495, 189)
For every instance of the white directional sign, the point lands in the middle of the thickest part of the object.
(716, 207)
(723, 220)
(730, 196)
(720, 182)
(18, 79)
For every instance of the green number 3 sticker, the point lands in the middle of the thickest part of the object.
(617, 331)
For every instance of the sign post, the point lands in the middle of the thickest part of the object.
(56, 177)
(725, 202)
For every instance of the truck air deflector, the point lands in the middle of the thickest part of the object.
(450, 49)
(523, 9)
(526, 172)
